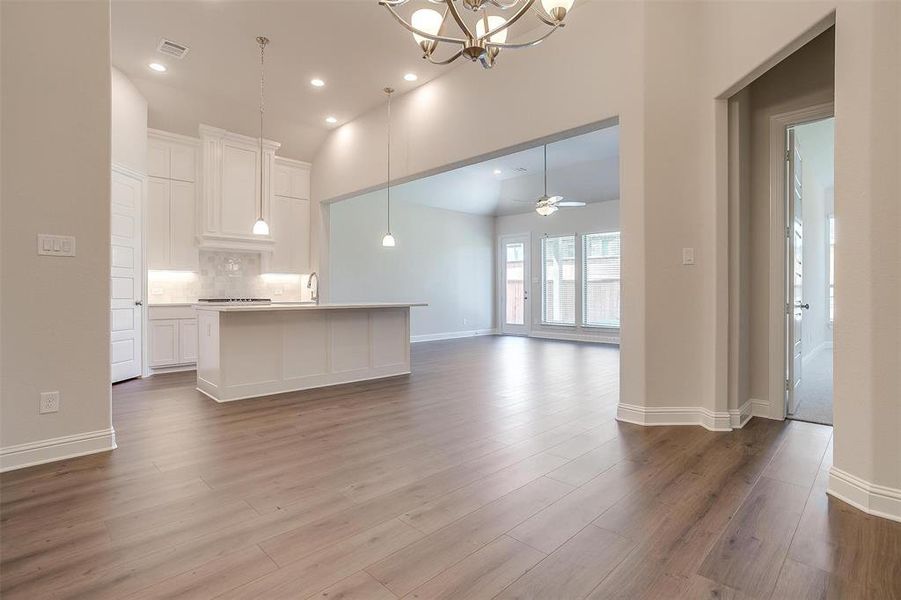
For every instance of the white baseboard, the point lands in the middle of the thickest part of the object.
(675, 415)
(739, 417)
(575, 337)
(52, 450)
(872, 499)
(176, 369)
(760, 408)
(451, 335)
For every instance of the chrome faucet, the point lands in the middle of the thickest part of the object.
(314, 293)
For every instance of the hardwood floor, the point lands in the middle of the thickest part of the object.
(495, 470)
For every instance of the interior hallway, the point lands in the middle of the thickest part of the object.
(495, 470)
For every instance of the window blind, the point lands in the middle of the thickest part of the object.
(601, 279)
(558, 281)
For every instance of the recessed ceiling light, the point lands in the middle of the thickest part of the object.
(497, 171)
(317, 82)
(411, 77)
(158, 67)
(332, 120)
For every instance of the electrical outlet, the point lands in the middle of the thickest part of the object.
(49, 402)
(688, 256)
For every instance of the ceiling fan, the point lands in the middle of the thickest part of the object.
(548, 205)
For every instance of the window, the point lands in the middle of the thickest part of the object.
(558, 280)
(600, 279)
(831, 268)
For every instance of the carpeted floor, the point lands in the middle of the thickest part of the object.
(814, 395)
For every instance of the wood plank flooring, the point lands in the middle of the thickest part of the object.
(496, 470)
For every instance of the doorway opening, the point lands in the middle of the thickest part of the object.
(810, 271)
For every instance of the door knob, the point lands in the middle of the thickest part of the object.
(138, 303)
(804, 306)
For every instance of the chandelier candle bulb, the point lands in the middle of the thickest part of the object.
(429, 21)
(557, 9)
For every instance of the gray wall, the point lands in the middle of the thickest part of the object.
(442, 257)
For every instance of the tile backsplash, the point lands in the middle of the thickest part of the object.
(225, 275)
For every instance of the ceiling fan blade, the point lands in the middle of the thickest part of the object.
(570, 203)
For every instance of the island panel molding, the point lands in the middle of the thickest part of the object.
(248, 351)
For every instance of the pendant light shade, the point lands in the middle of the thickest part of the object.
(261, 227)
(388, 241)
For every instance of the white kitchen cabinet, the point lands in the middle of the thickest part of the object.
(163, 342)
(158, 212)
(171, 209)
(291, 179)
(171, 156)
(232, 164)
(172, 198)
(290, 218)
(187, 340)
(173, 336)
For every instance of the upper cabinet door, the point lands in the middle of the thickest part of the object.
(158, 226)
(182, 163)
(158, 158)
(240, 190)
(182, 245)
(291, 179)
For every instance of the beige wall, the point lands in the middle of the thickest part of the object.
(129, 124)
(55, 179)
(868, 248)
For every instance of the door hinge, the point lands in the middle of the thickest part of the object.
(788, 308)
(787, 385)
(788, 154)
(788, 231)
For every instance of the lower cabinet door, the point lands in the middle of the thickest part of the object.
(164, 342)
(187, 341)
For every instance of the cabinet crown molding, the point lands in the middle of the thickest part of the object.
(217, 133)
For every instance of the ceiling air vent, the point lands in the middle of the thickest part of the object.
(520, 169)
(172, 48)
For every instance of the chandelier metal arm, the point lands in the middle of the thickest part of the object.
(503, 6)
(460, 22)
(446, 61)
(513, 19)
(545, 20)
(411, 29)
(534, 42)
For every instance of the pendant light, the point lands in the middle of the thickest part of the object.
(261, 227)
(388, 241)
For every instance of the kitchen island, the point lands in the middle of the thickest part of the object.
(251, 350)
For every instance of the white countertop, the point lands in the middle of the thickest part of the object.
(225, 307)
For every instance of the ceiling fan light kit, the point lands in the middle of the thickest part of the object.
(487, 38)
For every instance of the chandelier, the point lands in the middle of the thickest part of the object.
(487, 38)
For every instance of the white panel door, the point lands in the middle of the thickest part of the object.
(126, 280)
(515, 284)
(158, 227)
(795, 284)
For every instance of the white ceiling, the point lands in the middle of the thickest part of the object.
(584, 168)
(354, 45)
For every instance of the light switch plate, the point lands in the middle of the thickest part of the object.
(56, 245)
(688, 256)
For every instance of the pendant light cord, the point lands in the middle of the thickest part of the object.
(262, 41)
(389, 91)
(545, 170)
